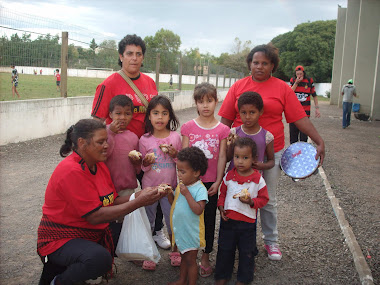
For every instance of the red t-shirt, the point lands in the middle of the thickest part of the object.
(303, 91)
(278, 98)
(58, 76)
(116, 85)
(73, 192)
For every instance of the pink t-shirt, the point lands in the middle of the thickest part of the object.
(123, 172)
(278, 98)
(208, 140)
(164, 169)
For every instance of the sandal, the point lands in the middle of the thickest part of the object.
(149, 265)
(175, 258)
(205, 272)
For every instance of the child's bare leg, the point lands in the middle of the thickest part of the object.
(188, 270)
(205, 260)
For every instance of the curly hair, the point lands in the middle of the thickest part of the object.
(251, 98)
(130, 40)
(270, 51)
(246, 142)
(195, 157)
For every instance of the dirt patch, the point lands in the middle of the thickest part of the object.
(314, 250)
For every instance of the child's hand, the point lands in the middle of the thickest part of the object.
(183, 189)
(115, 127)
(136, 160)
(258, 165)
(231, 139)
(213, 189)
(149, 159)
(223, 213)
(246, 200)
(172, 151)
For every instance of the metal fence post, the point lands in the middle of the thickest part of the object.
(196, 72)
(64, 61)
(180, 72)
(158, 71)
(224, 78)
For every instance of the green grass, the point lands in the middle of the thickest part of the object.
(43, 86)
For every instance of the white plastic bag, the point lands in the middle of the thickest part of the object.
(135, 241)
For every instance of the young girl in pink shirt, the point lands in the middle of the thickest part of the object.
(208, 134)
(164, 142)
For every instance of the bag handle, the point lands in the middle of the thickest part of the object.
(134, 87)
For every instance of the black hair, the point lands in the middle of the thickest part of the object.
(120, 100)
(204, 89)
(130, 40)
(195, 157)
(57, 70)
(85, 129)
(164, 101)
(246, 142)
(251, 98)
(270, 51)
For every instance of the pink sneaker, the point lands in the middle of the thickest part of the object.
(274, 252)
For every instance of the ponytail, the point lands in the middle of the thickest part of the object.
(67, 147)
(82, 129)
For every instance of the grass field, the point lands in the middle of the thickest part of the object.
(44, 86)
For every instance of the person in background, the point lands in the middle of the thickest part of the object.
(14, 81)
(58, 79)
(278, 99)
(131, 51)
(303, 86)
(348, 91)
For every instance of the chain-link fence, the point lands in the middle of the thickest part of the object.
(34, 45)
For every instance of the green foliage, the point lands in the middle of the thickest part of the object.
(167, 44)
(310, 45)
(237, 59)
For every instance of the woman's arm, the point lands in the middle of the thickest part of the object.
(227, 122)
(305, 126)
(317, 112)
(123, 206)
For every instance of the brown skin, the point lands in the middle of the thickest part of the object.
(131, 60)
(93, 151)
(261, 69)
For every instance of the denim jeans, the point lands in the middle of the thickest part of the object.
(241, 235)
(347, 107)
(268, 214)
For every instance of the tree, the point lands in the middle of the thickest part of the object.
(310, 45)
(167, 44)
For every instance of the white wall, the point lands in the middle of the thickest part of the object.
(30, 119)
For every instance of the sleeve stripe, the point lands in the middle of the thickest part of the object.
(95, 110)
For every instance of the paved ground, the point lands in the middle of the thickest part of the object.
(314, 249)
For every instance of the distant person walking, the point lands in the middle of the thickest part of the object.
(304, 88)
(14, 81)
(58, 79)
(171, 82)
(348, 91)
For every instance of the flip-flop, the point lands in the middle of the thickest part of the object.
(175, 258)
(204, 272)
(149, 265)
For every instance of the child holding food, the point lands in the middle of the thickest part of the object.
(243, 191)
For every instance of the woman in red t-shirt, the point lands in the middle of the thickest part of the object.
(74, 240)
(278, 99)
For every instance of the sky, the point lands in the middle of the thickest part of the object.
(210, 25)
